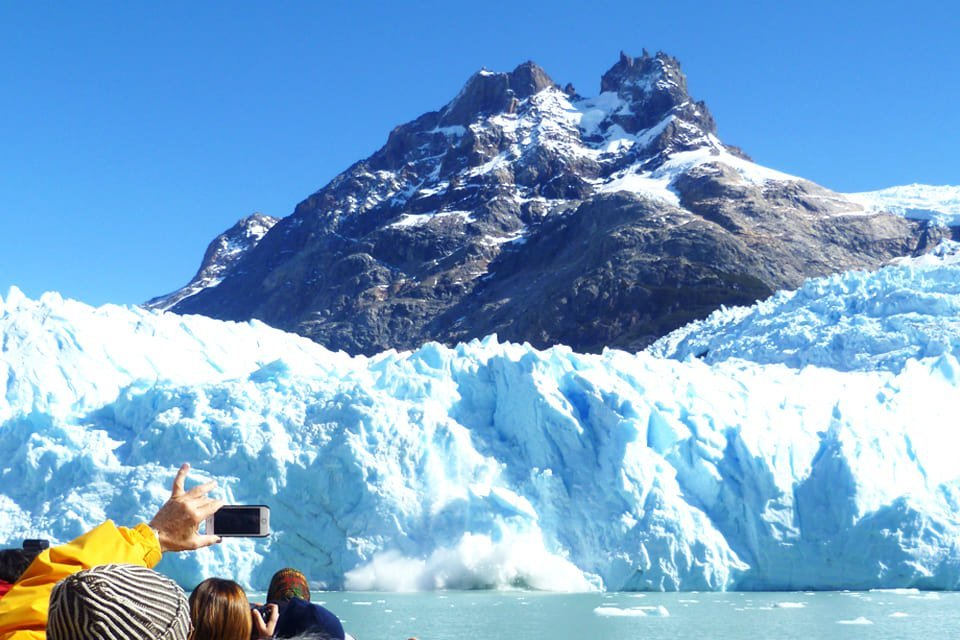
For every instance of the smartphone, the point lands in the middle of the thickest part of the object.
(240, 520)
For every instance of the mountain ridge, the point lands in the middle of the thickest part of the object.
(219, 258)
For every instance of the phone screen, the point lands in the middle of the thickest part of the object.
(237, 521)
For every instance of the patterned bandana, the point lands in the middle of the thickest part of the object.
(118, 602)
(286, 584)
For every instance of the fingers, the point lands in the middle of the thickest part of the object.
(178, 481)
(207, 509)
(274, 618)
(206, 540)
(263, 628)
(201, 490)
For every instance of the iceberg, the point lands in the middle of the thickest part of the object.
(786, 458)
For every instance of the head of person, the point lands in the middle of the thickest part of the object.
(118, 602)
(219, 610)
(288, 583)
(299, 617)
(13, 562)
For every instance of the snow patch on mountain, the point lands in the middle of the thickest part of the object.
(657, 183)
(582, 130)
(413, 220)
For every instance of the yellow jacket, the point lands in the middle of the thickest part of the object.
(23, 611)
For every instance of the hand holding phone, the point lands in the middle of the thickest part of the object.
(240, 520)
(178, 520)
(266, 611)
(265, 618)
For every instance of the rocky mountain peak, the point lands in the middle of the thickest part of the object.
(488, 93)
(528, 79)
(641, 70)
(230, 245)
(655, 88)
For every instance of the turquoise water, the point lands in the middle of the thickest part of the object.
(874, 615)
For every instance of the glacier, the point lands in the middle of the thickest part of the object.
(849, 321)
(803, 443)
(939, 204)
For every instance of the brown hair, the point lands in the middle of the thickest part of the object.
(219, 610)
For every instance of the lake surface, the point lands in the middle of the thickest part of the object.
(874, 615)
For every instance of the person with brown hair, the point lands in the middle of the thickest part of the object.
(219, 610)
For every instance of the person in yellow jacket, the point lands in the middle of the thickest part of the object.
(25, 609)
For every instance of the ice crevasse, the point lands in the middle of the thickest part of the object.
(492, 465)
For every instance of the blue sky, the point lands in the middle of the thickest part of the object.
(132, 133)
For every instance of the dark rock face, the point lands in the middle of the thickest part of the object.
(624, 270)
(612, 272)
(523, 209)
(488, 93)
(655, 87)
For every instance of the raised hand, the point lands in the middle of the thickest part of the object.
(178, 520)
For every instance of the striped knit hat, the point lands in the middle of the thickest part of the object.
(118, 602)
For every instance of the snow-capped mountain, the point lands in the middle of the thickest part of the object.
(529, 211)
(496, 465)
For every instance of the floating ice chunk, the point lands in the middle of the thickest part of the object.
(860, 620)
(899, 614)
(658, 611)
(789, 605)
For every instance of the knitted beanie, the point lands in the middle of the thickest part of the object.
(118, 602)
(288, 583)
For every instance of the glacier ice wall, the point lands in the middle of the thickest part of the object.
(487, 465)
(851, 321)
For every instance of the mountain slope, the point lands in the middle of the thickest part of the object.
(220, 258)
(527, 210)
